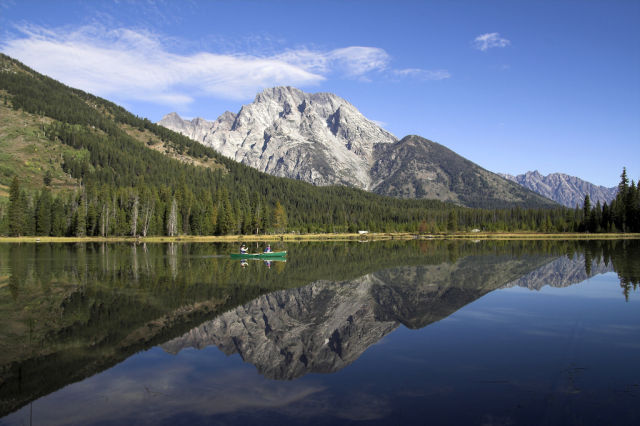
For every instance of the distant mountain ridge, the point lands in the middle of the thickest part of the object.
(322, 139)
(566, 190)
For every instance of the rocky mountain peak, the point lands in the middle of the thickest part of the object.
(279, 94)
(565, 189)
(533, 175)
(317, 137)
(173, 119)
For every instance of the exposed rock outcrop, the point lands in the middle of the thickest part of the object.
(319, 138)
(566, 190)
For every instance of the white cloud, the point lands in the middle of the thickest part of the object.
(423, 74)
(135, 64)
(138, 65)
(357, 60)
(487, 41)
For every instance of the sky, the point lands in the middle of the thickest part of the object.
(513, 86)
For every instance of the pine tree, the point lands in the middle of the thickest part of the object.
(226, 223)
(43, 213)
(265, 222)
(452, 222)
(586, 206)
(17, 209)
(624, 182)
(58, 217)
(47, 178)
(81, 217)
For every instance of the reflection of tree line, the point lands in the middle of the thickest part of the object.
(109, 280)
(77, 309)
(624, 255)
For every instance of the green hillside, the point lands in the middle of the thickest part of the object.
(112, 173)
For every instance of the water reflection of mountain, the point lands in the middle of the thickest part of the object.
(325, 326)
(68, 311)
(561, 272)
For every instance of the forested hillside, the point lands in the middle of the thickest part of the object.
(133, 177)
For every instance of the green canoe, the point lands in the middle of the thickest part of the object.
(273, 254)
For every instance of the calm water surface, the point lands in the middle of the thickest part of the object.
(487, 333)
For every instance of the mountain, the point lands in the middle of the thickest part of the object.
(322, 139)
(319, 138)
(566, 190)
(415, 167)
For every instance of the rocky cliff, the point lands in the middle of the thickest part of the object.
(319, 138)
(564, 189)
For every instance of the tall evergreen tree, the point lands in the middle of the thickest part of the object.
(452, 222)
(81, 216)
(17, 209)
(43, 213)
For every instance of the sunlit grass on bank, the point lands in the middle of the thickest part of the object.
(324, 237)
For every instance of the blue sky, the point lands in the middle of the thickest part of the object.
(511, 85)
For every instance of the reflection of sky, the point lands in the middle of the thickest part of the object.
(513, 356)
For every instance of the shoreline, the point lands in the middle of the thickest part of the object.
(382, 236)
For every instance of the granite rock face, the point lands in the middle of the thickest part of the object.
(318, 138)
(564, 189)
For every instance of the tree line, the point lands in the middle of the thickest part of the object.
(623, 215)
(100, 209)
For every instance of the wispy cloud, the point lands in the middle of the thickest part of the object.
(352, 61)
(487, 41)
(137, 64)
(140, 65)
(423, 74)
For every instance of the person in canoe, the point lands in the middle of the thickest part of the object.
(268, 248)
(244, 249)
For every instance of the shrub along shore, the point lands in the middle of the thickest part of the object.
(326, 237)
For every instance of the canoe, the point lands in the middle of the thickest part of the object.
(276, 254)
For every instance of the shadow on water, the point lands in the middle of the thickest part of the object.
(68, 312)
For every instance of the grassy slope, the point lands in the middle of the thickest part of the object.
(26, 153)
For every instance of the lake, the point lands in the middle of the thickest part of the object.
(396, 332)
